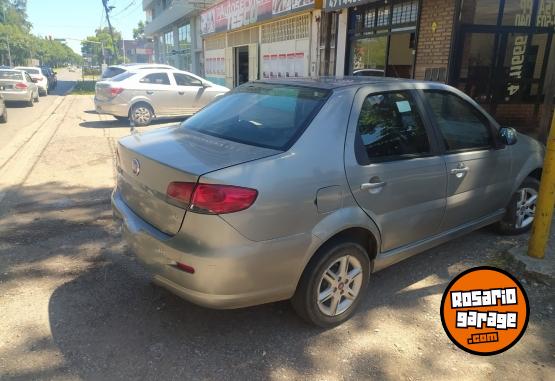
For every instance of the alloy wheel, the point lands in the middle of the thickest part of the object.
(525, 207)
(339, 285)
(141, 115)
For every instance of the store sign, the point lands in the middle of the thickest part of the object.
(546, 14)
(338, 4)
(519, 49)
(233, 14)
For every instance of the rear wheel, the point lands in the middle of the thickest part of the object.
(521, 209)
(37, 98)
(333, 284)
(4, 116)
(141, 114)
(31, 101)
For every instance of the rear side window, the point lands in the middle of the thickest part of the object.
(271, 116)
(112, 72)
(156, 78)
(390, 127)
(15, 75)
(462, 126)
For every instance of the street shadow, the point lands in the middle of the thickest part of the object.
(110, 322)
(125, 123)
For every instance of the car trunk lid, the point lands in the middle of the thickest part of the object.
(149, 162)
(103, 90)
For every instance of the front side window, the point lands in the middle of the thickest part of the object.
(390, 127)
(263, 115)
(156, 78)
(461, 125)
(186, 80)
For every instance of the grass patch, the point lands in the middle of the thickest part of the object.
(84, 87)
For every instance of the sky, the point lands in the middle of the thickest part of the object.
(77, 19)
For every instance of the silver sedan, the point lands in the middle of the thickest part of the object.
(17, 86)
(142, 95)
(302, 189)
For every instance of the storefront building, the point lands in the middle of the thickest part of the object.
(174, 26)
(246, 40)
(500, 52)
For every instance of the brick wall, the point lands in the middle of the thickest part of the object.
(434, 47)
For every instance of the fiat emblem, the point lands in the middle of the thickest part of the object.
(136, 167)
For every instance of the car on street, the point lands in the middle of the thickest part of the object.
(18, 86)
(3, 109)
(302, 189)
(51, 77)
(112, 71)
(144, 94)
(38, 77)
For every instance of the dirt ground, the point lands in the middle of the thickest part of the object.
(75, 305)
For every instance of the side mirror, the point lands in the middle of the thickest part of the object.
(507, 135)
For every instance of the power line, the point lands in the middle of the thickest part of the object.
(125, 8)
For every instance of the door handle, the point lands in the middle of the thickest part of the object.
(181, 92)
(372, 186)
(460, 171)
(149, 92)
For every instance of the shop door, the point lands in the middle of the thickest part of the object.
(241, 65)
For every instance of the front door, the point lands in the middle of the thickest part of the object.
(478, 169)
(393, 168)
(157, 88)
(188, 96)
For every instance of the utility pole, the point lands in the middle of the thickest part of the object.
(107, 9)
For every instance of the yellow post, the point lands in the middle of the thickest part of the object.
(546, 200)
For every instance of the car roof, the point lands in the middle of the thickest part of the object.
(130, 66)
(330, 83)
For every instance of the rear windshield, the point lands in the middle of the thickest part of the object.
(271, 116)
(11, 75)
(112, 72)
(122, 76)
(31, 71)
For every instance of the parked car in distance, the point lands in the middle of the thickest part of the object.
(18, 86)
(51, 76)
(144, 94)
(38, 77)
(301, 189)
(112, 71)
(3, 109)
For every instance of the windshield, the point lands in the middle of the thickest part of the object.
(11, 75)
(271, 116)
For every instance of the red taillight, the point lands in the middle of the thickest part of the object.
(212, 198)
(115, 91)
(21, 86)
(184, 267)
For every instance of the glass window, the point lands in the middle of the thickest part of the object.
(156, 78)
(112, 71)
(390, 126)
(168, 42)
(263, 115)
(4, 74)
(517, 12)
(462, 126)
(369, 53)
(483, 12)
(28, 78)
(122, 76)
(186, 80)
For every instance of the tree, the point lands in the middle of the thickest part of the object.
(95, 49)
(139, 31)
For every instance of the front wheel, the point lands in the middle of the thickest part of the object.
(141, 114)
(333, 284)
(521, 209)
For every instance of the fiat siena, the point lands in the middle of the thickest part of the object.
(302, 189)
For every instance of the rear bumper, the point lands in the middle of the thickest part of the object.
(115, 109)
(16, 96)
(230, 270)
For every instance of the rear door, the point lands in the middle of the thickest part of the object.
(188, 95)
(159, 90)
(393, 167)
(478, 168)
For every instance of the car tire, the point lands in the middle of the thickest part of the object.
(31, 101)
(521, 209)
(4, 116)
(325, 296)
(141, 114)
(37, 98)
